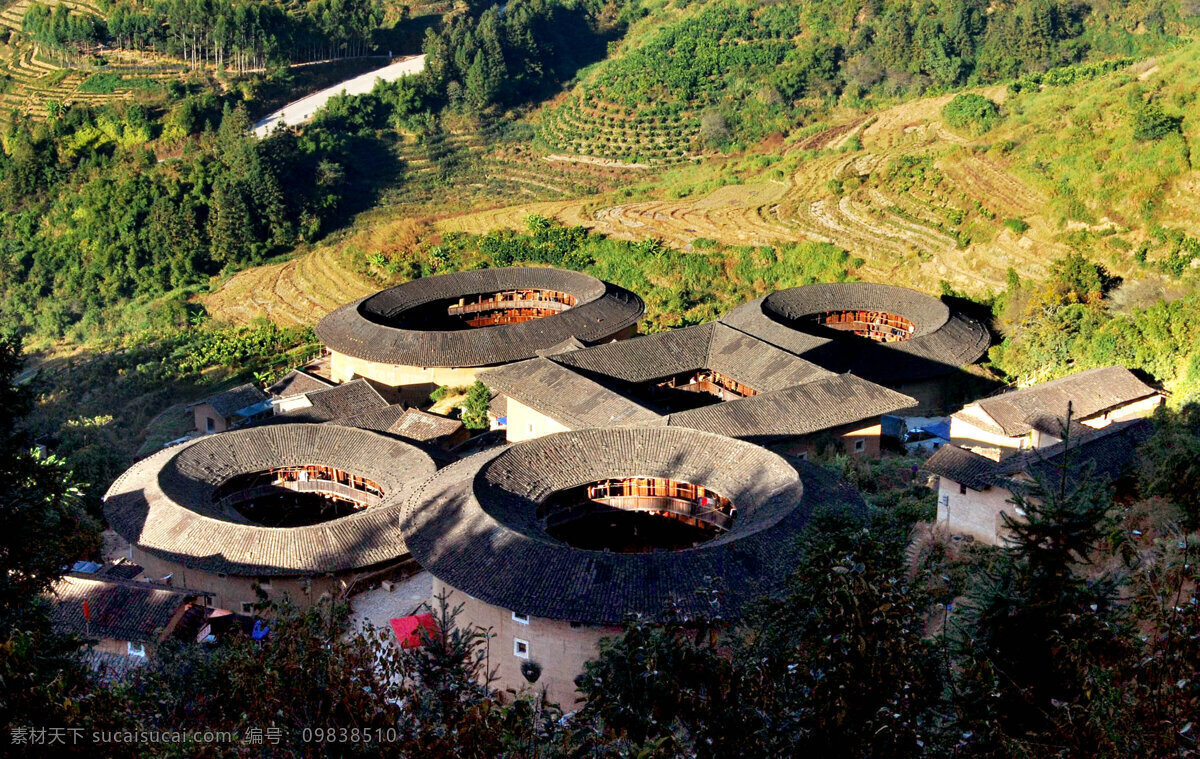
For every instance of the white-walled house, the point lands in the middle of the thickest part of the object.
(1033, 418)
(975, 492)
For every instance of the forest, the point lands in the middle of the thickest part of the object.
(225, 33)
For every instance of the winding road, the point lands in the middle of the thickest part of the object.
(302, 110)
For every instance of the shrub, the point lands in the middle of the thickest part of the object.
(971, 112)
(1016, 225)
(1151, 123)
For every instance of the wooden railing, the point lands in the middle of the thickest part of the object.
(709, 514)
(335, 489)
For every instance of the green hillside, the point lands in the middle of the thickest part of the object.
(695, 76)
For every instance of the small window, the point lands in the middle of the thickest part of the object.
(138, 650)
(860, 446)
(962, 489)
(520, 618)
(247, 607)
(803, 455)
(576, 625)
(264, 583)
(520, 648)
(209, 424)
(530, 426)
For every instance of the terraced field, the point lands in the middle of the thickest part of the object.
(589, 128)
(299, 291)
(35, 78)
(947, 224)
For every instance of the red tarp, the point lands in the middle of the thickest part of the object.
(408, 629)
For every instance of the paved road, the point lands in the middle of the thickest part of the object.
(302, 110)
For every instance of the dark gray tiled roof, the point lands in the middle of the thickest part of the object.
(165, 503)
(646, 357)
(756, 363)
(943, 340)
(475, 526)
(566, 395)
(361, 329)
(963, 466)
(797, 410)
(415, 424)
(235, 399)
(120, 609)
(1106, 452)
(337, 402)
(1091, 392)
(297, 382)
(714, 346)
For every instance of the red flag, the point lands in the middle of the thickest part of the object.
(87, 611)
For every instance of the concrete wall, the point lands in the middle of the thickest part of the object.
(203, 412)
(560, 649)
(976, 512)
(231, 591)
(525, 423)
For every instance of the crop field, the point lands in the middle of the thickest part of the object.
(299, 291)
(588, 126)
(34, 80)
(913, 201)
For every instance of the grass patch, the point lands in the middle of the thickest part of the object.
(101, 84)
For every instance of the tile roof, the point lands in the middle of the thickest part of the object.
(165, 504)
(943, 340)
(1106, 453)
(797, 410)
(567, 396)
(475, 524)
(338, 402)
(714, 346)
(1091, 392)
(235, 399)
(297, 382)
(120, 609)
(364, 328)
(411, 424)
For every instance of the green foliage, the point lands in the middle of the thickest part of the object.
(1064, 76)
(93, 222)
(1151, 123)
(474, 410)
(1018, 226)
(1170, 462)
(101, 84)
(971, 112)
(1037, 623)
(1062, 325)
(504, 57)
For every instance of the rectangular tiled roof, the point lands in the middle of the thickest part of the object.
(337, 402)
(235, 399)
(120, 609)
(1090, 392)
(1106, 453)
(567, 396)
(797, 410)
(297, 382)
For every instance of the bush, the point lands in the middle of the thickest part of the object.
(1017, 225)
(971, 112)
(1151, 123)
